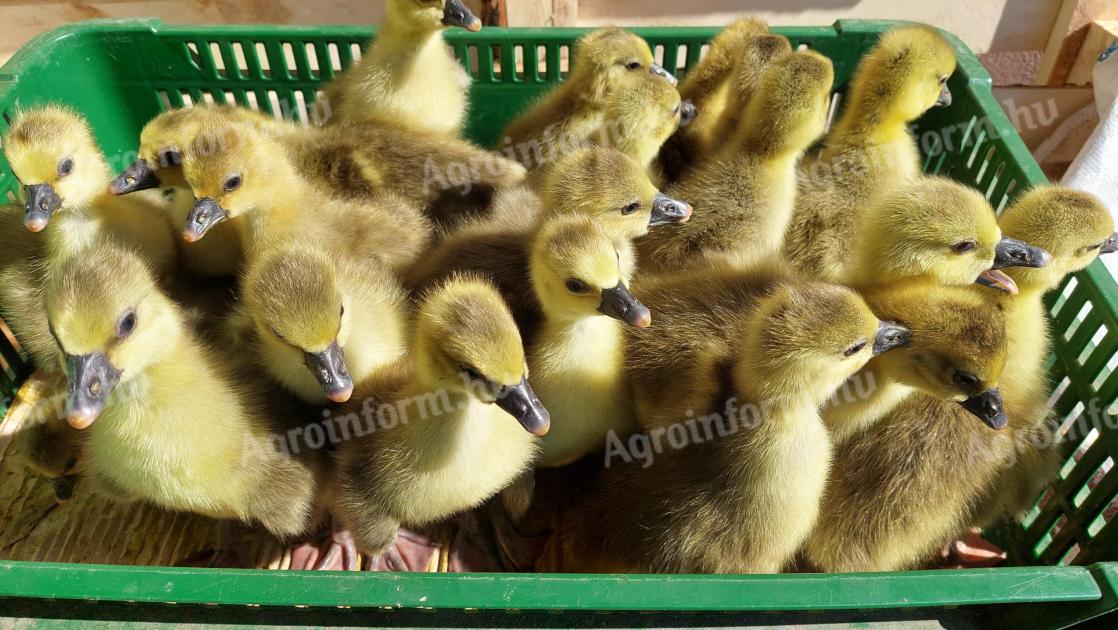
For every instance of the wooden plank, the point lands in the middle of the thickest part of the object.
(1068, 35)
(1100, 35)
(565, 12)
(543, 13)
(494, 12)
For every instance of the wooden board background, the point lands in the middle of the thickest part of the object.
(1013, 32)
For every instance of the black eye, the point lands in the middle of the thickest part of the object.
(574, 285)
(233, 182)
(633, 64)
(856, 348)
(126, 326)
(942, 80)
(278, 335)
(966, 379)
(471, 372)
(964, 247)
(170, 157)
(631, 208)
(342, 312)
(65, 166)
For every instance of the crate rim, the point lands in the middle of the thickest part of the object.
(571, 592)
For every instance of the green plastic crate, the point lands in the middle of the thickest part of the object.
(121, 74)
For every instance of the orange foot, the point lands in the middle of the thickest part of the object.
(972, 551)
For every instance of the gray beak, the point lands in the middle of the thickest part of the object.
(456, 14)
(666, 210)
(689, 113)
(90, 380)
(623, 306)
(330, 370)
(890, 336)
(1110, 245)
(202, 218)
(944, 99)
(659, 71)
(1011, 252)
(139, 176)
(520, 402)
(988, 408)
(42, 201)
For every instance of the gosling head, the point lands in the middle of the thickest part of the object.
(958, 345)
(168, 137)
(576, 273)
(938, 229)
(641, 113)
(159, 158)
(299, 315)
(467, 342)
(611, 188)
(1073, 226)
(432, 15)
(806, 339)
(608, 54)
(111, 322)
(53, 154)
(755, 54)
(788, 112)
(903, 76)
(233, 170)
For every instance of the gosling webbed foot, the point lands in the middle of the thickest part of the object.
(410, 552)
(972, 551)
(341, 554)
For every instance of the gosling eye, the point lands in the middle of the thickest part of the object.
(65, 166)
(631, 208)
(633, 64)
(170, 157)
(471, 372)
(278, 335)
(576, 286)
(965, 379)
(943, 80)
(856, 348)
(126, 326)
(964, 246)
(341, 312)
(233, 182)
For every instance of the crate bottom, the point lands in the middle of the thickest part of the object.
(35, 527)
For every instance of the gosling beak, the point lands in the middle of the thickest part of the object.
(1011, 252)
(666, 210)
(689, 113)
(944, 99)
(997, 280)
(42, 201)
(1110, 245)
(139, 176)
(91, 378)
(623, 306)
(202, 218)
(890, 336)
(988, 408)
(520, 402)
(456, 14)
(330, 370)
(658, 71)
